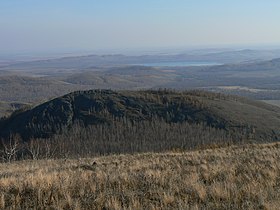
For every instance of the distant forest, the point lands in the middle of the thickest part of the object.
(101, 122)
(121, 137)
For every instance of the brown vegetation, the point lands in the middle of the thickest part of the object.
(121, 137)
(245, 177)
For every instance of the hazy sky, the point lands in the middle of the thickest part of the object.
(61, 25)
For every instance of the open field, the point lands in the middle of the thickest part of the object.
(244, 177)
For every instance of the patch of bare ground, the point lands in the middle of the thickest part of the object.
(237, 177)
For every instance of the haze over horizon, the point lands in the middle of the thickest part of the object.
(69, 26)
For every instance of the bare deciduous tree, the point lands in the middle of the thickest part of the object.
(10, 148)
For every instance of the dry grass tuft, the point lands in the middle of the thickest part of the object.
(246, 177)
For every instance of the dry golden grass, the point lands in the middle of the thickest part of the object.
(245, 177)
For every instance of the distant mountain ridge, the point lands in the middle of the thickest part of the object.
(97, 61)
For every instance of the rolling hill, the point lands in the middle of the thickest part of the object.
(256, 120)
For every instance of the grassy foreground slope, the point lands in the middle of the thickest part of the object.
(245, 177)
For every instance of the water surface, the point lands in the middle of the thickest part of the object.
(180, 63)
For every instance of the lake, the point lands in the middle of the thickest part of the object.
(180, 63)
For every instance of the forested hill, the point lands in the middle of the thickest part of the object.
(257, 120)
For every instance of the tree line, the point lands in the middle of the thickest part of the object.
(122, 136)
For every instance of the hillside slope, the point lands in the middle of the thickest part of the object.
(260, 120)
(244, 177)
